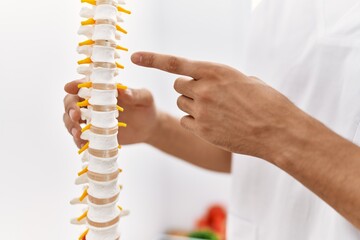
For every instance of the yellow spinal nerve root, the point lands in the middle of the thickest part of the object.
(95, 85)
(85, 85)
(84, 148)
(120, 109)
(120, 86)
(84, 195)
(90, 21)
(83, 235)
(121, 9)
(121, 124)
(85, 61)
(84, 215)
(82, 172)
(87, 42)
(84, 103)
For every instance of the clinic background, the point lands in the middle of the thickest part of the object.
(39, 161)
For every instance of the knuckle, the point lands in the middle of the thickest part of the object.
(178, 102)
(66, 99)
(182, 103)
(173, 64)
(217, 71)
(205, 94)
(211, 70)
(135, 94)
(226, 71)
(149, 60)
(183, 122)
(147, 96)
(202, 70)
(177, 84)
(221, 69)
(70, 102)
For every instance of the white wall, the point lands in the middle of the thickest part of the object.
(202, 30)
(39, 160)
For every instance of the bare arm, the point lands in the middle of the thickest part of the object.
(326, 163)
(145, 124)
(173, 139)
(244, 115)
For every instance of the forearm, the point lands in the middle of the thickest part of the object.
(173, 139)
(260, 122)
(324, 162)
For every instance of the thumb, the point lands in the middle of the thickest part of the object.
(136, 97)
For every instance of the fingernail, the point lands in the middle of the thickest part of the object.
(137, 58)
(74, 132)
(72, 114)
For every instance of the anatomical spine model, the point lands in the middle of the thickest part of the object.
(100, 111)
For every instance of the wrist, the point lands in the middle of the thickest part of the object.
(305, 139)
(290, 137)
(156, 129)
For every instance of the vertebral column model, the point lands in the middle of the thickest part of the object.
(100, 111)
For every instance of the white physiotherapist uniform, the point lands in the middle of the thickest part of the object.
(309, 50)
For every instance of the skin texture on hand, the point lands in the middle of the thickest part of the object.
(225, 107)
(145, 124)
(242, 114)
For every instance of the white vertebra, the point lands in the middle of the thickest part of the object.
(100, 170)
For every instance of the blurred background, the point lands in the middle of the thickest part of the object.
(39, 161)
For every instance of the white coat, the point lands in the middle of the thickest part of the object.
(309, 50)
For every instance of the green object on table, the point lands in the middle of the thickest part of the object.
(204, 235)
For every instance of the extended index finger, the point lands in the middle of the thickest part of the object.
(168, 63)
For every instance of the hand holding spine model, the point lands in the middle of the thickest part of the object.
(100, 111)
